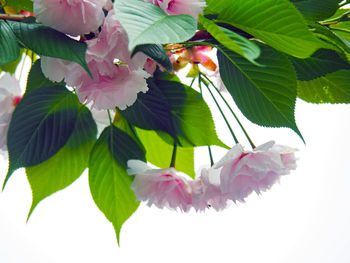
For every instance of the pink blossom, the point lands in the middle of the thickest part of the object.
(243, 172)
(161, 187)
(117, 78)
(74, 17)
(10, 95)
(180, 7)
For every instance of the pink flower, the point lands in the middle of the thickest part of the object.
(74, 17)
(10, 95)
(243, 172)
(161, 187)
(117, 79)
(180, 7)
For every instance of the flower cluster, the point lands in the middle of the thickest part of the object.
(234, 177)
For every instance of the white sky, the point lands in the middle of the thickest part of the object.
(303, 219)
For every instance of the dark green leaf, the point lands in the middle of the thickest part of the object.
(317, 10)
(46, 41)
(36, 78)
(323, 61)
(332, 88)
(8, 44)
(265, 95)
(67, 164)
(146, 23)
(40, 126)
(109, 182)
(231, 40)
(151, 111)
(275, 22)
(157, 53)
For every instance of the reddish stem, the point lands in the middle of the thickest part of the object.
(18, 18)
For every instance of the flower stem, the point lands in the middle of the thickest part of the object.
(222, 113)
(109, 117)
(200, 82)
(235, 116)
(17, 18)
(173, 157)
(211, 156)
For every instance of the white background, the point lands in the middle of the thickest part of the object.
(303, 219)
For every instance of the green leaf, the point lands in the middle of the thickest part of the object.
(323, 61)
(317, 10)
(332, 88)
(36, 78)
(276, 22)
(21, 4)
(8, 44)
(231, 40)
(40, 126)
(157, 53)
(46, 41)
(191, 116)
(67, 164)
(12, 66)
(151, 111)
(146, 23)
(159, 153)
(109, 182)
(331, 37)
(265, 95)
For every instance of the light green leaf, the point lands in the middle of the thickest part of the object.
(276, 22)
(332, 88)
(146, 23)
(231, 40)
(159, 153)
(265, 95)
(108, 180)
(21, 4)
(8, 44)
(67, 165)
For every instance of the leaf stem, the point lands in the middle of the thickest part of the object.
(173, 156)
(222, 113)
(235, 116)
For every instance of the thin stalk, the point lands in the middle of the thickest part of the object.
(173, 156)
(200, 82)
(109, 117)
(192, 82)
(235, 116)
(222, 113)
(211, 156)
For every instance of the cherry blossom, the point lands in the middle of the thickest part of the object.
(161, 187)
(180, 7)
(10, 95)
(244, 172)
(74, 17)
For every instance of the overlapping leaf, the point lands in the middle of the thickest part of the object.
(331, 88)
(265, 95)
(21, 4)
(108, 180)
(36, 78)
(46, 41)
(146, 23)
(275, 22)
(8, 44)
(68, 164)
(323, 61)
(40, 126)
(317, 10)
